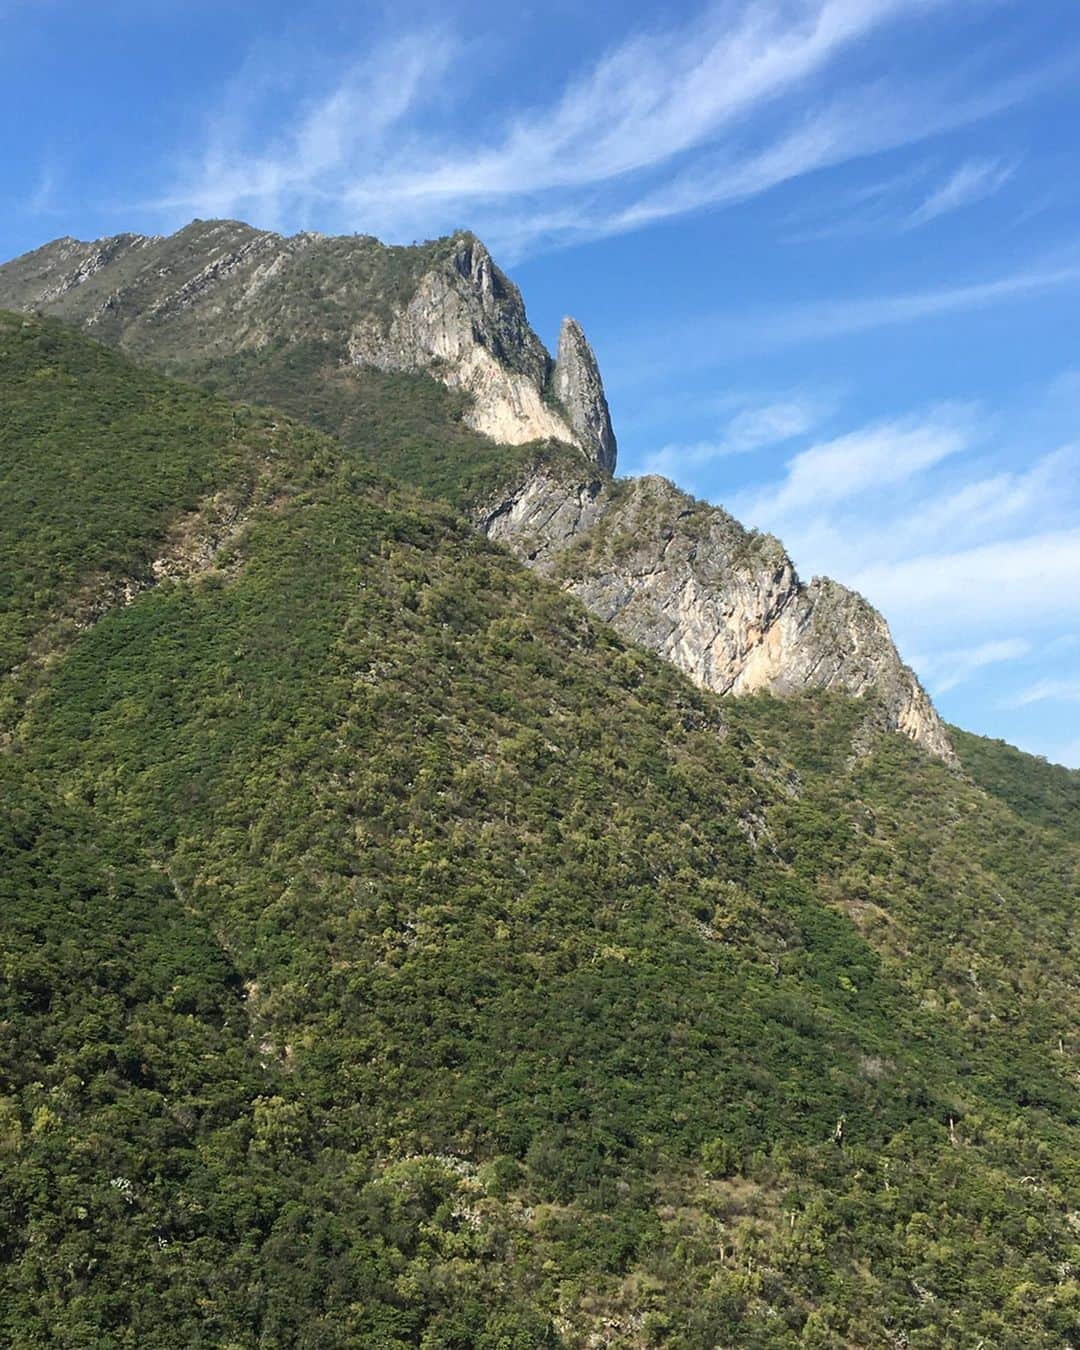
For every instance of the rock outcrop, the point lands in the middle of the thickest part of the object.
(722, 603)
(580, 390)
(465, 323)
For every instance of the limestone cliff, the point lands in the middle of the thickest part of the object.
(722, 603)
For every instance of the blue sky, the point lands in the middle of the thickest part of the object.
(827, 250)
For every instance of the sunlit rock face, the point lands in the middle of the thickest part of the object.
(722, 603)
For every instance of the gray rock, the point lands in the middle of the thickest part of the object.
(465, 323)
(580, 390)
(722, 603)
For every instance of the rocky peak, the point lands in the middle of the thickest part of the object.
(577, 385)
(685, 579)
(221, 287)
(464, 299)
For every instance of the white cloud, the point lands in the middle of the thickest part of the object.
(653, 97)
(853, 125)
(995, 503)
(1042, 691)
(883, 207)
(667, 121)
(1005, 584)
(868, 460)
(752, 428)
(945, 670)
(310, 161)
(971, 182)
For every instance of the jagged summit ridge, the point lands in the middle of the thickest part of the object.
(216, 288)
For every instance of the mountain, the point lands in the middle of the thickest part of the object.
(394, 954)
(310, 324)
(218, 288)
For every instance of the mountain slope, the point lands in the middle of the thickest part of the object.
(722, 603)
(1046, 794)
(394, 955)
(321, 328)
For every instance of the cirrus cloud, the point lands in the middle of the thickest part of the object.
(706, 112)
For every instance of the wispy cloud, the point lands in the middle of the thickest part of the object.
(853, 125)
(310, 160)
(1042, 691)
(842, 318)
(42, 199)
(996, 502)
(654, 97)
(758, 332)
(900, 202)
(1025, 581)
(715, 110)
(752, 428)
(948, 669)
(971, 182)
(868, 460)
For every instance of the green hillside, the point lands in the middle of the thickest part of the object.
(1047, 794)
(393, 957)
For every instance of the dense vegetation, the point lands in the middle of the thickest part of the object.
(99, 473)
(392, 956)
(1047, 794)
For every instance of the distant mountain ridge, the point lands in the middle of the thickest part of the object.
(723, 604)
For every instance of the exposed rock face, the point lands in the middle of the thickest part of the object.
(720, 602)
(466, 324)
(580, 390)
(85, 262)
(218, 288)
